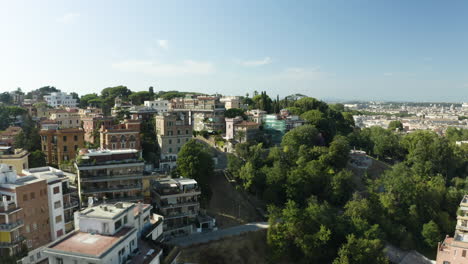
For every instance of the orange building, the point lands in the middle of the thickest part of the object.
(121, 136)
(61, 144)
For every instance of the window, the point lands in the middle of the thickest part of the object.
(170, 141)
(58, 219)
(38, 255)
(118, 224)
(57, 204)
(25, 197)
(56, 189)
(76, 147)
(31, 258)
(59, 260)
(34, 226)
(178, 140)
(446, 262)
(76, 137)
(60, 233)
(186, 132)
(464, 253)
(170, 150)
(64, 148)
(64, 138)
(32, 195)
(28, 229)
(125, 220)
(178, 132)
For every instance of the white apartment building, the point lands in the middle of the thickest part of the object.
(60, 99)
(109, 234)
(159, 105)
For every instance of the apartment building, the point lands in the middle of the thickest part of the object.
(60, 145)
(66, 118)
(231, 102)
(159, 105)
(63, 198)
(205, 112)
(24, 214)
(90, 112)
(60, 99)
(243, 131)
(92, 124)
(277, 126)
(110, 175)
(17, 159)
(173, 130)
(122, 136)
(108, 234)
(454, 250)
(178, 201)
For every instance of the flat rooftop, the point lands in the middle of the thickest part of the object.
(110, 211)
(90, 244)
(104, 152)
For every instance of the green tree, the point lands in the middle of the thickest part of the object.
(303, 135)
(36, 159)
(361, 251)
(194, 161)
(395, 125)
(6, 98)
(138, 98)
(431, 233)
(234, 112)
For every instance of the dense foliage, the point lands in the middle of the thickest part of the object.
(318, 214)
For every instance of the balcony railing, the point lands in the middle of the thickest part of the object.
(121, 188)
(71, 204)
(11, 226)
(179, 214)
(179, 204)
(137, 175)
(14, 242)
(163, 192)
(12, 207)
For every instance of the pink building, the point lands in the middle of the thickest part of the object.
(454, 250)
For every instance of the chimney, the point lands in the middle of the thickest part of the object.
(90, 202)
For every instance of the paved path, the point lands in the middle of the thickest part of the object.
(198, 238)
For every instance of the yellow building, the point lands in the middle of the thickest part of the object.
(17, 159)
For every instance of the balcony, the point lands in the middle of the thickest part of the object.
(11, 226)
(71, 204)
(174, 191)
(11, 208)
(179, 204)
(137, 175)
(14, 242)
(118, 188)
(464, 228)
(173, 215)
(125, 199)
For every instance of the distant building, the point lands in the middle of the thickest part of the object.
(256, 115)
(173, 130)
(110, 175)
(66, 118)
(17, 159)
(231, 102)
(454, 250)
(108, 234)
(159, 105)
(121, 136)
(60, 99)
(7, 137)
(277, 126)
(92, 124)
(243, 131)
(178, 201)
(60, 144)
(205, 112)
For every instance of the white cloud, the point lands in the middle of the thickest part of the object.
(255, 63)
(187, 67)
(163, 43)
(68, 18)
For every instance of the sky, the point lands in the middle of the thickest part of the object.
(330, 49)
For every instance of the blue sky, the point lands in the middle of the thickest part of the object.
(364, 49)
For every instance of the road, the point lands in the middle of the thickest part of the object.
(199, 238)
